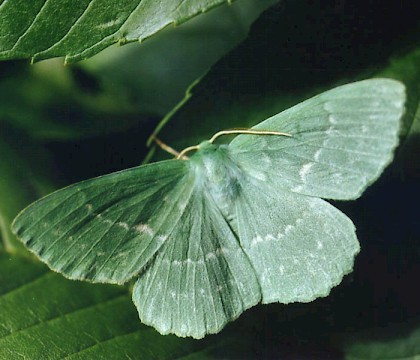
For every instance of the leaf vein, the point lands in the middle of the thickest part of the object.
(72, 312)
(57, 43)
(30, 26)
(30, 282)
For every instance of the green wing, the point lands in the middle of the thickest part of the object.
(341, 141)
(299, 246)
(107, 228)
(200, 279)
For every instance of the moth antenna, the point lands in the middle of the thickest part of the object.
(181, 155)
(247, 131)
(166, 147)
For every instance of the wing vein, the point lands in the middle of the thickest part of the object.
(162, 223)
(207, 273)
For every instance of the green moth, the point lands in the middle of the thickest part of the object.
(231, 226)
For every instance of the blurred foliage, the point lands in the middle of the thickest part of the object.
(123, 87)
(395, 341)
(60, 124)
(155, 75)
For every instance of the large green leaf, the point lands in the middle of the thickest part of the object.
(45, 316)
(41, 29)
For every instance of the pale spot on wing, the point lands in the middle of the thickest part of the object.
(256, 240)
(319, 245)
(144, 229)
(123, 225)
(270, 237)
(317, 154)
(331, 119)
(89, 207)
(288, 228)
(259, 175)
(210, 256)
(365, 129)
(280, 235)
(297, 188)
(397, 103)
(264, 275)
(122, 254)
(266, 159)
(304, 171)
(281, 269)
(330, 130)
(182, 205)
(56, 232)
(162, 238)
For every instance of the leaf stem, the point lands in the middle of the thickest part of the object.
(168, 116)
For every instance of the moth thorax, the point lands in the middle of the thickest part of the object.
(217, 172)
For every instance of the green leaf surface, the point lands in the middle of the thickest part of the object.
(391, 342)
(44, 316)
(42, 29)
(406, 68)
